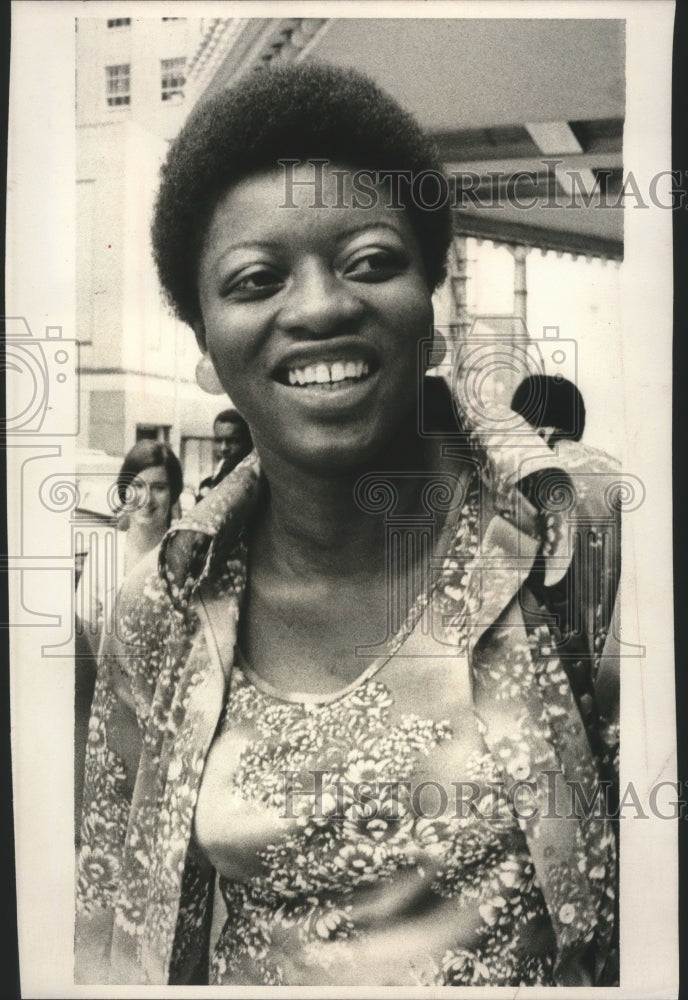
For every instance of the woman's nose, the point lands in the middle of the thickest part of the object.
(320, 303)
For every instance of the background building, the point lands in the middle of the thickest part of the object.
(137, 361)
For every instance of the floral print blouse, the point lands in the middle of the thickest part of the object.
(378, 881)
(503, 896)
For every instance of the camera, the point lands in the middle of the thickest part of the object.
(486, 366)
(41, 378)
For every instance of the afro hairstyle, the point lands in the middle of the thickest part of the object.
(288, 112)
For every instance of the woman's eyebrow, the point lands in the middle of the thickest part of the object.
(245, 245)
(363, 227)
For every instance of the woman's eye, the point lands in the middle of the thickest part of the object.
(377, 265)
(253, 284)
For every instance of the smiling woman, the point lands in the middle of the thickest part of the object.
(312, 318)
(148, 485)
(147, 489)
(379, 608)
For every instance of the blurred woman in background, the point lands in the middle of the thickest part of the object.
(149, 485)
(147, 490)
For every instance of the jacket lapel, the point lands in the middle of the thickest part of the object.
(524, 703)
(203, 563)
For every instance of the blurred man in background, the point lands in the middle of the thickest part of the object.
(231, 443)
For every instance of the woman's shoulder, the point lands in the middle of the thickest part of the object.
(584, 482)
(565, 476)
(576, 456)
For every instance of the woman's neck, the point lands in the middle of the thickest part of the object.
(316, 523)
(140, 539)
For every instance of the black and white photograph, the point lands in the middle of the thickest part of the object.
(338, 357)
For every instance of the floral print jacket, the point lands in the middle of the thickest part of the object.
(544, 686)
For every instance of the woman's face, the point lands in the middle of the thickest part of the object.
(312, 317)
(152, 500)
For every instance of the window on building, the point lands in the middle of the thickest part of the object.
(196, 458)
(153, 432)
(118, 85)
(172, 77)
(118, 22)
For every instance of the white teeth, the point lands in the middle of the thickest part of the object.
(323, 373)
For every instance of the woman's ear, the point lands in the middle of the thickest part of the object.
(199, 330)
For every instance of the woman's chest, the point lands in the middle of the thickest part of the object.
(373, 807)
(382, 766)
(389, 823)
(320, 636)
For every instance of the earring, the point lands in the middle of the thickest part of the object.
(438, 350)
(206, 377)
